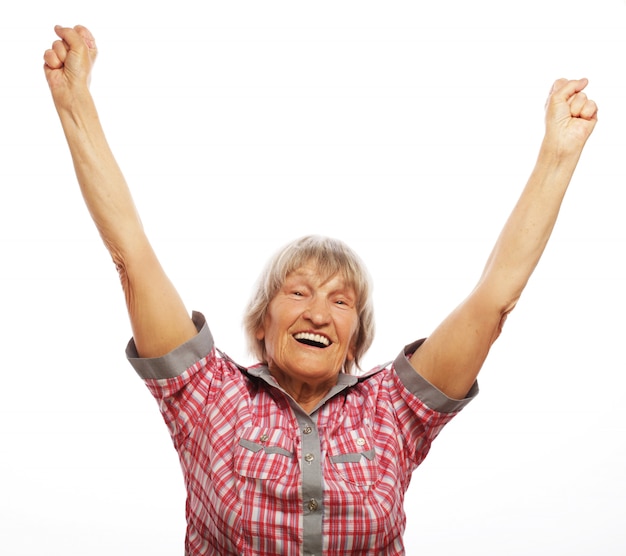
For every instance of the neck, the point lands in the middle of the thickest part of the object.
(307, 394)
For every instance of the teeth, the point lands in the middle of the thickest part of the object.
(317, 338)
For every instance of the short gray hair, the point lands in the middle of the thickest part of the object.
(331, 256)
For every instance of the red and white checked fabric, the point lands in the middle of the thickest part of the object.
(240, 445)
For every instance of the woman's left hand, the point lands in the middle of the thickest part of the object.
(570, 117)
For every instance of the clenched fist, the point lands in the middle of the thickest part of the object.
(68, 63)
(570, 116)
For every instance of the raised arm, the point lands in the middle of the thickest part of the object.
(158, 316)
(454, 354)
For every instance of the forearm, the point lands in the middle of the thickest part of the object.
(527, 230)
(455, 352)
(101, 181)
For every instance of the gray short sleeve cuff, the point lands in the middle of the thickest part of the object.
(176, 361)
(416, 384)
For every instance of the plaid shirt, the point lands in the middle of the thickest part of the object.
(263, 477)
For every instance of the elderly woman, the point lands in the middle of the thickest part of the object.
(297, 455)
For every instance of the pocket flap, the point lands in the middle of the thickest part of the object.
(353, 457)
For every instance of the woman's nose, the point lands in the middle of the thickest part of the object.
(317, 312)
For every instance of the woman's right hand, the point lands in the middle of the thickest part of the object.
(68, 64)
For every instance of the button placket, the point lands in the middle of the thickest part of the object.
(312, 486)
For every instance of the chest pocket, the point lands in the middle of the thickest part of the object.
(353, 457)
(263, 453)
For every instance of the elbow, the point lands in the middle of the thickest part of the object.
(496, 305)
(504, 310)
(127, 285)
(122, 271)
(500, 326)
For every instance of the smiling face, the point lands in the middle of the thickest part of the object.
(309, 328)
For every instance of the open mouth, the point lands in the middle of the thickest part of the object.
(315, 340)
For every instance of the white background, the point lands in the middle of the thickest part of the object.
(405, 128)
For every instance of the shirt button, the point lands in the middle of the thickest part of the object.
(264, 438)
(307, 430)
(360, 441)
(312, 505)
(309, 458)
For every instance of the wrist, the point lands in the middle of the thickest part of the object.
(78, 107)
(553, 153)
(554, 168)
